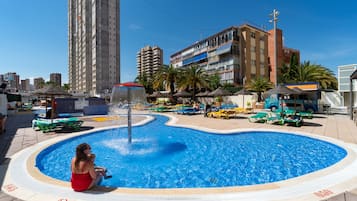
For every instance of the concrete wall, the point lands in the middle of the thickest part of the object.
(3, 104)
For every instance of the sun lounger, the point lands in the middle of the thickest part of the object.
(305, 114)
(161, 109)
(289, 112)
(47, 125)
(274, 118)
(224, 114)
(260, 117)
(295, 120)
(240, 110)
(285, 112)
(188, 111)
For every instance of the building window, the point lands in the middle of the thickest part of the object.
(262, 69)
(252, 35)
(253, 69)
(252, 48)
(253, 62)
(261, 50)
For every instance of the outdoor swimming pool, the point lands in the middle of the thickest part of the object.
(171, 157)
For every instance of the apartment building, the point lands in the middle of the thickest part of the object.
(237, 54)
(343, 77)
(93, 42)
(38, 82)
(25, 85)
(56, 79)
(12, 81)
(148, 61)
(288, 54)
(284, 54)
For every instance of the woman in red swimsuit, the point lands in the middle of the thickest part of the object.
(84, 175)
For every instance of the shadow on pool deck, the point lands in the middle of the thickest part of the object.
(68, 130)
(311, 124)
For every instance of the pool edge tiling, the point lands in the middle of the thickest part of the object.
(26, 182)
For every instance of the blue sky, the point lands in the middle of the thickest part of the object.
(33, 34)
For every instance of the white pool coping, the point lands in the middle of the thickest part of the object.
(24, 181)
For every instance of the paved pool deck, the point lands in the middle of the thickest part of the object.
(20, 135)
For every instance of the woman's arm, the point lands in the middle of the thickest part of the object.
(91, 170)
(73, 169)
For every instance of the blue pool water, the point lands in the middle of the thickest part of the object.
(170, 157)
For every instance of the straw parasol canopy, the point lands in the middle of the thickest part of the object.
(282, 90)
(182, 94)
(203, 94)
(51, 91)
(243, 92)
(156, 94)
(220, 92)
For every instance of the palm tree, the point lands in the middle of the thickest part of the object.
(289, 71)
(193, 78)
(214, 81)
(147, 83)
(166, 77)
(259, 85)
(66, 87)
(307, 72)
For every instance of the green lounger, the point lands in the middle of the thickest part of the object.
(260, 117)
(275, 118)
(295, 120)
(306, 114)
(47, 125)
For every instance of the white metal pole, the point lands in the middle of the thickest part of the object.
(274, 20)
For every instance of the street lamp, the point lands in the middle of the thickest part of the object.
(274, 20)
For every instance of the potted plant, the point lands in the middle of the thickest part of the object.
(249, 104)
(218, 101)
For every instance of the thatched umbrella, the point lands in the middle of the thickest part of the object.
(220, 92)
(156, 94)
(51, 91)
(203, 94)
(243, 92)
(281, 90)
(182, 94)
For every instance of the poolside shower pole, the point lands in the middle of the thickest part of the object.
(129, 116)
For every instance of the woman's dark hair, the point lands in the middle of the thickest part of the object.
(80, 155)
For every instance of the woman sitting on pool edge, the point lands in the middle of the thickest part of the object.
(84, 176)
(101, 170)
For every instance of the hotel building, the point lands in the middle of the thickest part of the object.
(148, 61)
(237, 54)
(93, 42)
(12, 81)
(284, 54)
(343, 77)
(25, 85)
(56, 79)
(38, 82)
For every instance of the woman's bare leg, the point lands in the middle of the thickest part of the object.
(95, 181)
